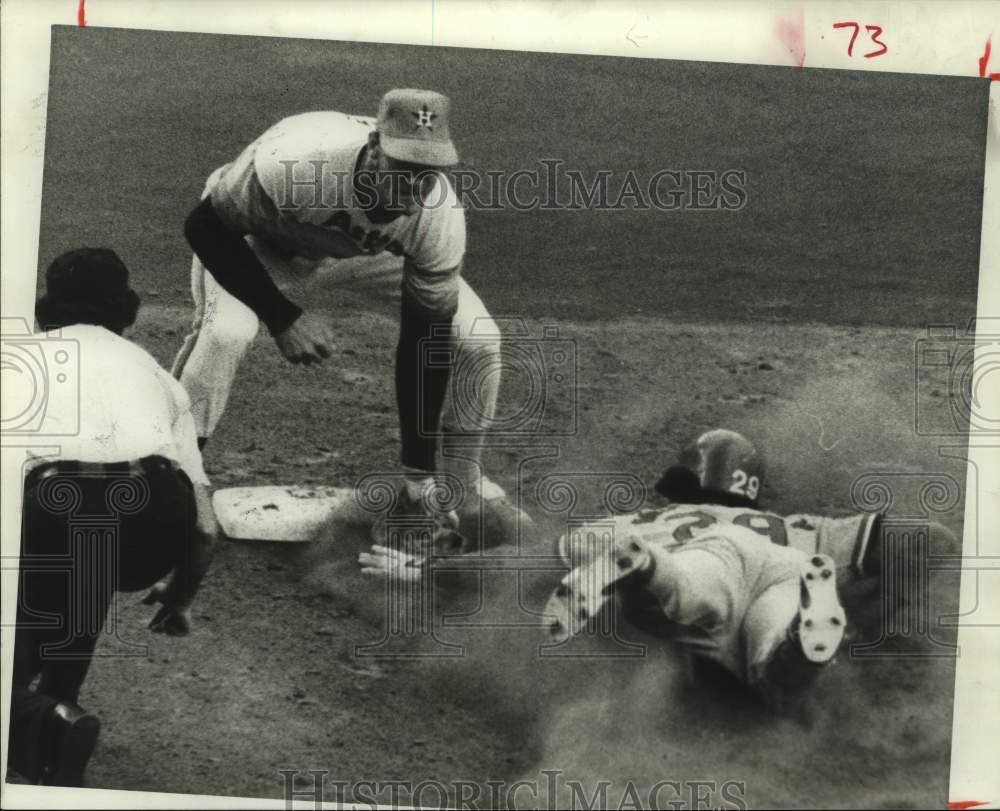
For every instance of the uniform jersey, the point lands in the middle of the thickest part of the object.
(126, 406)
(843, 539)
(725, 592)
(293, 189)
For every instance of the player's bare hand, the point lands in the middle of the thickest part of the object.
(308, 340)
(384, 561)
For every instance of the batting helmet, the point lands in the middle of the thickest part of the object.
(720, 467)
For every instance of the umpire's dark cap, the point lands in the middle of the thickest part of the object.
(87, 286)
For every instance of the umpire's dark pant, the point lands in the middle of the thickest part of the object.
(88, 530)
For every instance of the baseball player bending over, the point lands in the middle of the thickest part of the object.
(309, 194)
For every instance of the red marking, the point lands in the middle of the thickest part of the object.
(854, 36)
(962, 804)
(81, 14)
(792, 33)
(984, 62)
(874, 31)
(878, 30)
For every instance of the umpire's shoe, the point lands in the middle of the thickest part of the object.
(72, 740)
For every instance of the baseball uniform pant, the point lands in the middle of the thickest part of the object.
(224, 328)
(88, 530)
(776, 665)
(757, 645)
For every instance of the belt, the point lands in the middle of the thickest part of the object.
(70, 467)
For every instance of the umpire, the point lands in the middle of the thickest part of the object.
(122, 504)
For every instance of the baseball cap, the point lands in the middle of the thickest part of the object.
(719, 461)
(413, 127)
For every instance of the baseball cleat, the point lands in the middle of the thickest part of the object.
(489, 517)
(414, 526)
(504, 522)
(821, 619)
(585, 591)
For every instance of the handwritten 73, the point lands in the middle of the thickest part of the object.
(874, 32)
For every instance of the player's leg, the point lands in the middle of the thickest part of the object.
(892, 551)
(488, 514)
(793, 630)
(881, 568)
(421, 388)
(221, 332)
(83, 601)
(48, 741)
(422, 510)
(421, 376)
(625, 566)
(854, 543)
(29, 711)
(59, 619)
(898, 595)
(154, 539)
(223, 329)
(472, 396)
